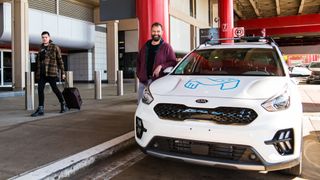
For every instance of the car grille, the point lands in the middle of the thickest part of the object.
(200, 150)
(223, 115)
(316, 72)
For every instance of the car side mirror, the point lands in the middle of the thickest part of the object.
(292, 75)
(167, 70)
(294, 80)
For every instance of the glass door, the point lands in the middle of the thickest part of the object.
(6, 69)
(1, 69)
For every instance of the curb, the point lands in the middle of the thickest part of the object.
(65, 167)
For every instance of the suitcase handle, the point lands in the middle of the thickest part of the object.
(65, 83)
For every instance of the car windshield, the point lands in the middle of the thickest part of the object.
(315, 65)
(239, 61)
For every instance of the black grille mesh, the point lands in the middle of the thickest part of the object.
(218, 151)
(223, 115)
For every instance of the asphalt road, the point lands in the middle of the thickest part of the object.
(134, 165)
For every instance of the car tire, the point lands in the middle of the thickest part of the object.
(295, 170)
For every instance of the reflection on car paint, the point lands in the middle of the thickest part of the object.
(224, 83)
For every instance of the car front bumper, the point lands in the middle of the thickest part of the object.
(254, 135)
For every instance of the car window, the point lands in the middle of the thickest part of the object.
(315, 65)
(244, 61)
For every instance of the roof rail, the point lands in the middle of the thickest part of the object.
(267, 39)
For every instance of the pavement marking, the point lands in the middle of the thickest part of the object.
(65, 167)
(115, 168)
(310, 159)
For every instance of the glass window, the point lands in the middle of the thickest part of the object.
(7, 68)
(244, 62)
(193, 7)
(314, 65)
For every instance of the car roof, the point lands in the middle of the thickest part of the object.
(315, 62)
(241, 42)
(236, 45)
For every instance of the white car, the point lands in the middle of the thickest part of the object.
(299, 71)
(315, 72)
(227, 105)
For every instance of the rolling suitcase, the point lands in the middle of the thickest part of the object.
(72, 97)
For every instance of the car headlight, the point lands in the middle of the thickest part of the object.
(147, 97)
(278, 102)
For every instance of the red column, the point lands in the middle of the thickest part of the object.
(226, 19)
(151, 11)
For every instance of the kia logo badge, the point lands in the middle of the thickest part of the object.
(201, 101)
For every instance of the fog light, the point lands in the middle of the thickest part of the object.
(156, 145)
(139, 128)
(252, 156)
(283, 141)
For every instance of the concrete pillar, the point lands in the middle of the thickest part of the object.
(149, 12)
(226, 19)
(120, 83)
(20, 43)
(29, 91)
(69, 78)
(97, 85)
(112, 51)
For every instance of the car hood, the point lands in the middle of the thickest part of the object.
(241, 87)
(315, 69)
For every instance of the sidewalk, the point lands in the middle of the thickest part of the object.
(310, 96)
(28, 143)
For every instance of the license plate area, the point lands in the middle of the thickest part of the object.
(199, 149)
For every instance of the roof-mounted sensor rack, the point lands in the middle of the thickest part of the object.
(268, 40)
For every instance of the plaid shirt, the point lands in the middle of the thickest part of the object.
(53, 62)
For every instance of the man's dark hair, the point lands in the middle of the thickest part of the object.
(45, 32)
(156, 24)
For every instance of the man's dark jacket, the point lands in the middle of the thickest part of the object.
(164, 57)
(53, 62)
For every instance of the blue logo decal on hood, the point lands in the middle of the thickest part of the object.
(224, 83)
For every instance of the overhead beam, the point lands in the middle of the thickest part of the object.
(237, 11)
(282, 25)
(278, 7)
(301, 7)
(86, 3)
(256, 10)
(280, 22)
(286, 30)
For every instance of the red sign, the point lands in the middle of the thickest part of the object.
(238, 31)
(224, 27)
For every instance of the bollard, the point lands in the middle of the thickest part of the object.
(69, 78)
(97, 85)
(136, 84)
(119, 83)
(29, 90)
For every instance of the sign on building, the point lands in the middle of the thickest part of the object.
(209, 34)
(117, 9)
(238, 32)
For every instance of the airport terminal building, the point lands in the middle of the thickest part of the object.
(83, 38)
(89, 44)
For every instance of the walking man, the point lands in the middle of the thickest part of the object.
(48, 62)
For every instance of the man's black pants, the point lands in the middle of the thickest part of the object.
(41, 84)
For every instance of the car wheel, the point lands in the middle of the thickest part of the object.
(295, 170)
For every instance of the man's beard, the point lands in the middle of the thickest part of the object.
(155, 37)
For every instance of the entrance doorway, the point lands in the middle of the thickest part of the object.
(5, 69)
